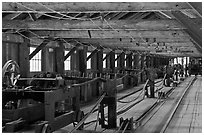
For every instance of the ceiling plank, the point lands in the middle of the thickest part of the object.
(165, 24)
(193, 30)
(93, 6)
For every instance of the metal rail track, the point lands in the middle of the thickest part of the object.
(150, 109)
(177, 105)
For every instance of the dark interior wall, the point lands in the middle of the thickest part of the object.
(9, 52)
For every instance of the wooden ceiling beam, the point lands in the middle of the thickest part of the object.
(93, 6)
(129, 40)
(88, 25)
(112, 34)
(169, 46)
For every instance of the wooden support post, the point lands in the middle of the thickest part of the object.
(96, 65)
(135, 66)
(190, 66)
(76, 99)
(82, 52)
(186, 69)
(147, 62)
(143, 66)
(176, 60)
(47, 63)
(102, 120)
(112, 112)
(100, 69)
(129, 66)
(59, 58)
(140, 67)
(129, 61)
(49, 106)
(110, 100)
(111, 62)
(152, 61)
(24, 58)
(182, 67)
(155, 62)
(121, 62)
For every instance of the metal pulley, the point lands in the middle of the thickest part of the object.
(10, 73)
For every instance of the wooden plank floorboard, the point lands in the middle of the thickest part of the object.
(188, 117)
(159, 116)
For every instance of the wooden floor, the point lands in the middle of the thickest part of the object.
(188, 118)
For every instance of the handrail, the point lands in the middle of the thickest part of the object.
(88, 82)
(133, 74)
(138, 95)
(88, 114)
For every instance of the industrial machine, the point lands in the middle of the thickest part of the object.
(43, 101)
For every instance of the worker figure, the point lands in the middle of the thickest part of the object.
(151, 75)
(169, 74)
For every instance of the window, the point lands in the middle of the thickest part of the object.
(104, 62)
(89, 61)
(116, 61)
(35, 62)
(67, 62)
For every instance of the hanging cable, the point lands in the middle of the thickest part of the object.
(70, 17)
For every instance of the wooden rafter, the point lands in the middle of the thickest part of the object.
(92, 54)
(71, 51)
(32, 16)
(119, 56)
(197, 6)
(93, 6)
(193, 30)
(107, 55)
(40, 47)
